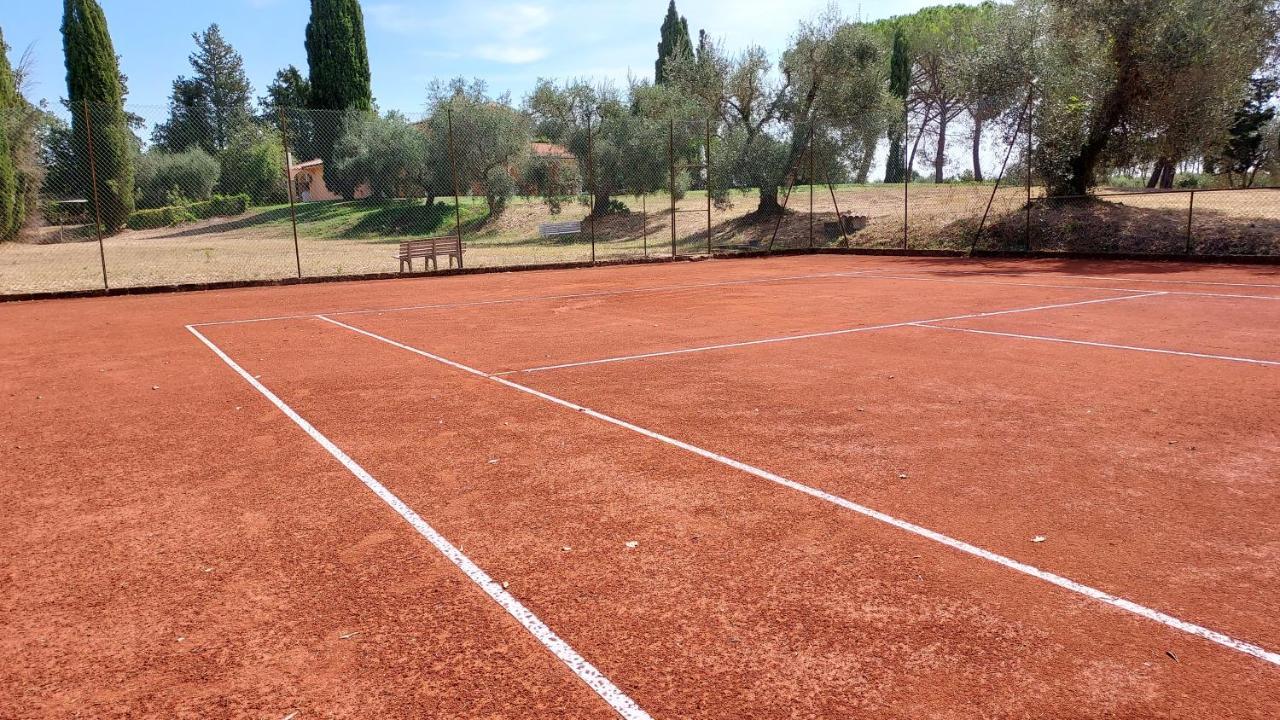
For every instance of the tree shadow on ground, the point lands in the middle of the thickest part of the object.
(374, 220)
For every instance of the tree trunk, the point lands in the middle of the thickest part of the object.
(1162, 174)
(940, 159)
(893, 167)
(1112, 110)
(769, 202)
(977, 149)
(600, 206)
(864, 164)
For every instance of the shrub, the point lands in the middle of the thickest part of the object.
(162, 177)
(221, 206)
(251, 165)
(216, 206)
(160, 217)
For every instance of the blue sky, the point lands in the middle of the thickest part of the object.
(509, 44)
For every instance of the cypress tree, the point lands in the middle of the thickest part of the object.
(10, 206)
(675, 40)
(899, 86)
(93, 77)
(338, 61)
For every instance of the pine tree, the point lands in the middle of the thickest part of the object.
(287, 96)
(338, 61)
(10, 204)
(675, 41)
(93, 84)
(191, 118)
(899, 86)
(219, 72)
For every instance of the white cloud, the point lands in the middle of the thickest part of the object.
(402, 19)
(511, 54)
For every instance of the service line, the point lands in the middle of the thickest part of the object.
(1091, 343)
(618, 700)
(873, 275)
(1205, 633)
(825, 333)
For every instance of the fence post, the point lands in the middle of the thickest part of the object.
(811, 181)
(671, 162)
(906, 169)
(1026, 228)
(288, 183)
(591, 182)
(644, 222)
(1191, 210)
(1000, 176)
(93, 178)
(707, 169)
(453, 167)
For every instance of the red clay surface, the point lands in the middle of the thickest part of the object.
(137, 516)
(1232, 327)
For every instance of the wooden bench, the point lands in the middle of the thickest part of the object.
(562, 228)
(429, 249)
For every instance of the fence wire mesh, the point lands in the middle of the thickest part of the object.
(155, 196)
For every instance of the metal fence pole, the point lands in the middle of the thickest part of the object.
(1000, 176)
(906, 169)
(1026, 229)
(93, 179)
(453, 167)
(671, 162)
(1191, 210)
(644, 222)
(288, 182)
(591, 181)
(811, 176)
(707, 169)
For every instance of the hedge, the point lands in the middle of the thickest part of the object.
(216, 206)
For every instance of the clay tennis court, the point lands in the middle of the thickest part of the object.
(810, 486)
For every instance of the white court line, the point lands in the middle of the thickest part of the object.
(1161, 280)
(536, 298)
(1091, 343)
(960, 545)
(870, 274)
(619, 701)
(825, 333)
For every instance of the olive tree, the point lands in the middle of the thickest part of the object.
(387, 152)
(1126, 82)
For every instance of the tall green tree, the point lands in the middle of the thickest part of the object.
(10, 202)
(190, 121)
(207, 109)
(899, 87)
(93, 82)
(338, 61)
(219, 72)
(675, 43)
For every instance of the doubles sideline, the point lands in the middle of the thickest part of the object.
(618, 700)
(1057, 580)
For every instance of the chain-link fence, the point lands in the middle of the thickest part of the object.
(156, 197)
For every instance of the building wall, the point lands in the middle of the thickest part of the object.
(308, 185)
